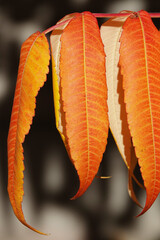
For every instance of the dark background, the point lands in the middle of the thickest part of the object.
(105, 211)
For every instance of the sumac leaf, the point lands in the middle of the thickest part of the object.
(33, 67)
(83, 96)
(140, 67)
(111, 32)
(55, 50)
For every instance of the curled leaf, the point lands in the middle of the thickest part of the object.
(111, 32)
(33, 67)
(55, 50)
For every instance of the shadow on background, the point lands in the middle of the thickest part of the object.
(105, 211)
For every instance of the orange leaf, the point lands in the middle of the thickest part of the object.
(140, 64)
(83, 96)
(33, 67)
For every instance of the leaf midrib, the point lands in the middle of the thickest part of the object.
(85, 83)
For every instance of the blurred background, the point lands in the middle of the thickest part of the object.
(105, 211)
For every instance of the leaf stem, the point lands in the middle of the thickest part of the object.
(101, 15)
(110, 15)
(154, 15)
(55, 26)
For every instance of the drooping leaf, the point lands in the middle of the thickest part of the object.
(56, 46)
(140, 66)
(83, 96)
(111, 33)
(131, 177)
(33, 67)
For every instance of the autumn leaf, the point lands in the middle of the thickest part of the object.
(55, 49)
(140, 67)
(82, 95)
(111, 32)
(33, 67)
